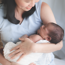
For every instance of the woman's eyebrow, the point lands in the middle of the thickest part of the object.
(27, 0)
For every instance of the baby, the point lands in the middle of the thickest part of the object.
(50, 32)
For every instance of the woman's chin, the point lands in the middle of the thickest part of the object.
(27, 9)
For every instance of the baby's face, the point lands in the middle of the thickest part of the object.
(43, 32)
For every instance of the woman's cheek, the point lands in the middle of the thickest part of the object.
(37, 0)
(23, 5)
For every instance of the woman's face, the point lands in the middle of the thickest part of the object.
(26, 5)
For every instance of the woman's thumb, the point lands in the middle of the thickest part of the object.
(22, 39)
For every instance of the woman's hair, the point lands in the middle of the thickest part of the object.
(10, 11)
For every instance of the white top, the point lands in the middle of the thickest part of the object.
(30, 58)
(11, 32)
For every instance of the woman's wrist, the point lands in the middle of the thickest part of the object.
(38, 48)
(35, 48)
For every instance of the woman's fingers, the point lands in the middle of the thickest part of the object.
(22, 39)
(14, 52)
(15, 48)
(23, 55)
(18, 54)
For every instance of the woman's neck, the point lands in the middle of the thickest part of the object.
(19, 10)
(18, 14)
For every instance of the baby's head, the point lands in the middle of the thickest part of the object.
(51, 32)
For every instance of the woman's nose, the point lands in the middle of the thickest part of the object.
(32, 3)
(42, 26)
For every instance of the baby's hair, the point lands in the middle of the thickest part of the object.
(56, 33)
(10, 11)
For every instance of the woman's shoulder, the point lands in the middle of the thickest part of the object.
(44, 5)
(46, 13)
(41, 4)
(38, 8)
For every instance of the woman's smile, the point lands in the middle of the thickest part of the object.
(28, 7)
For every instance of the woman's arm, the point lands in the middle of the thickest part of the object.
(47, 17)
(47, 14)
(28, 46)
(2, 59)
(47, 47)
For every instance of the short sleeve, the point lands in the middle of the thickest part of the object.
(38, 8)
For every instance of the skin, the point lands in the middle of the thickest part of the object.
(47, 17)
(43, 32)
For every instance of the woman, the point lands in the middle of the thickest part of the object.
(25, 17)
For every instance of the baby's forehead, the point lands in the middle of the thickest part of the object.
(49, 26)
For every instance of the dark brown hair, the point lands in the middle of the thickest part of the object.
(56, 33)
(10, 11)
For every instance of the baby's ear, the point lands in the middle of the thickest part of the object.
(48, 38)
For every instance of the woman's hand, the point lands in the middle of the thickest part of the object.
(24, 36)
(24, 48)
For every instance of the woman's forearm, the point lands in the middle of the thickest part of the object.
(47, 47)
(2, 59)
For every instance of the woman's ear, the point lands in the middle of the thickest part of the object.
(48, 38)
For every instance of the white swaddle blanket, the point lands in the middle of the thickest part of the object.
(32, 57)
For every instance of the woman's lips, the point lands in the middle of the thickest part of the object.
(28, 8)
